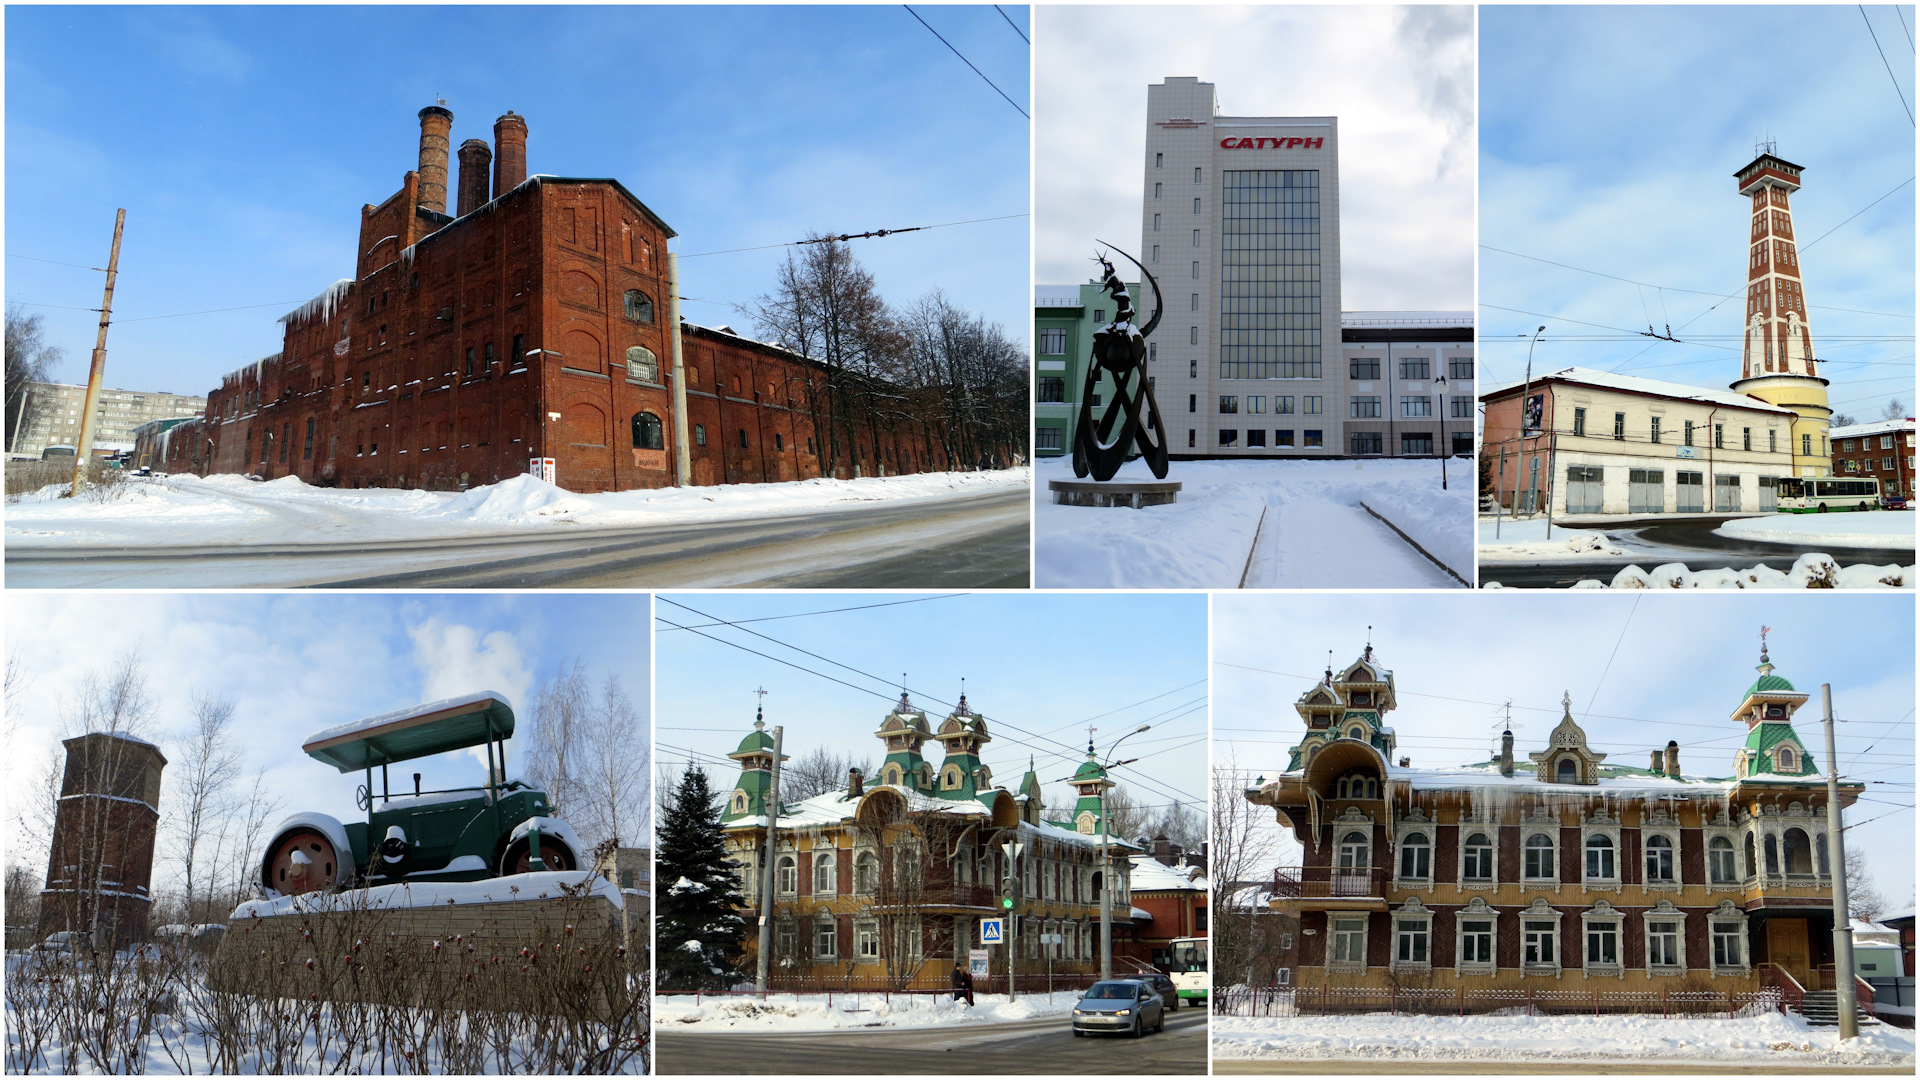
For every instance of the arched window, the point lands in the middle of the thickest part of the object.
(639, 306)
(1600, 857)
(1720, 860)
(1785, 761)
(823, 871)
(739, 802)
(1416, 857)
(1478, 864)
(1799, 852)
(1539, 861)
(647, 432)
(1773, 857)
(1659, 859)
(892, 776)
(1355, 853)
(1820, 853)
(1357, 733)
(786, 875)
(950, 778)
(642, 365)
(1567, 772)
(1747, 850)
(866, 873)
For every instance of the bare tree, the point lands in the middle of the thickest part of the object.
(1863, 900)
(1894, 409)
(204, 769)
(29, 360)
(817, 772)
(1240, 856)
(22, 896)
(1182, 825)
(1125, 819)
(615, 777)
(251, 818)
(561, 713)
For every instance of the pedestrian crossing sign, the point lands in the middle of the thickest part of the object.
(991, 932)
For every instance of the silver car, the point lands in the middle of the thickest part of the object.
(1128, 1005)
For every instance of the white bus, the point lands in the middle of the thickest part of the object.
(1187, 966)
(1817, 495)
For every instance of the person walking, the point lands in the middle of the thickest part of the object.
(962, 983)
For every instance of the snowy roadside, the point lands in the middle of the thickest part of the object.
(191, 510)
(1528, 540)
(1887, 529)
(1204, 540)
(823, 1012)
(1810, 571)
(1773, 1039)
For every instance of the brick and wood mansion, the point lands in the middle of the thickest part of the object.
(1560, 872)
(886, 883)
(537, 321)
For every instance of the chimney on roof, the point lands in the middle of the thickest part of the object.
(509, 153)
(1506, 753)
(1406, 762)
(475, 157)
(1659, 763)
(856, 783)
(1162, 850)
(1673, 759)
(436, 128)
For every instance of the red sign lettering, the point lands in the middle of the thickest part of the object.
(1264, 143)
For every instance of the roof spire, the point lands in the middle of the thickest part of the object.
(962, 710)
(1766, 666)
(1368, 654)
(1566, 703)
(759, 710)
(905, 705)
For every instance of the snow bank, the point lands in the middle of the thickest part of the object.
(1883, 529)
(824, 1012)
(547, 885)
(1772, 1039)
(1528, 540)
(1810, 571)
(1203, 541)
(227, 510)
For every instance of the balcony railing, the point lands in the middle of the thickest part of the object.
(1322, 883)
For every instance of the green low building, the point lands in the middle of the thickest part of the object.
(1065, 318)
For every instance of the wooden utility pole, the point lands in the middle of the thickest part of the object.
(1843, 985)
(84, 450)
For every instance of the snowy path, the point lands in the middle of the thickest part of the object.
(1317, 536)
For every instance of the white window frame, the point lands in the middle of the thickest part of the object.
(1612, 833)
(1405, 847)
(826, 937)
(866, 939)
(1672, 837)
(1411, 925)
(1477, 910)
(1727, 920)
(825, 872)
(1552, 833)
(786, 871)
(1665, 912)
(1492, 833)
(1734, 878)
(1335, 937)
(1530, 925)
(1602, 919)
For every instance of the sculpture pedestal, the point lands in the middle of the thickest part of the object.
(1131, 493)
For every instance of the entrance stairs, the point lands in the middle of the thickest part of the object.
(1822, 1009)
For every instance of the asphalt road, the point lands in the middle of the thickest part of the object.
(1691, 540)
(1027, 1046)
(976, 542)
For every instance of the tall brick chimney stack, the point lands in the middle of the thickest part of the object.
(509, 153)
(475, 157)
(436, 127)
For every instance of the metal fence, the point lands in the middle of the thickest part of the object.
(923, 985)
(1335, 1000)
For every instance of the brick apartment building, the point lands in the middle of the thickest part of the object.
(100, 863)
(1882, 450)
(118, 415)
(535, 322)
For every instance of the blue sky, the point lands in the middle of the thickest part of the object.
(243, 141)
(1640, 670)
(1039, 667)
(1608, 141)
(293, 664)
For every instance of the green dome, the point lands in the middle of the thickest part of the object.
(1770, 684)
(1090, 770)
(755, 742)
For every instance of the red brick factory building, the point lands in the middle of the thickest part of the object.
(536, 322)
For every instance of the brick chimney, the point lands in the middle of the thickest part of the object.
(1506, 753)
(475, 158)
(1659, 764)
(436, 127)
(1673, 759)
(509, 153)
(856, 785)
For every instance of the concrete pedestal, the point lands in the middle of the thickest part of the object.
(1133, 493)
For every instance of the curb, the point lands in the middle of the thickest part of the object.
(1410, 543)
(1255, 546)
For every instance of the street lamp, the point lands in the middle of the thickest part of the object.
(1440, 403)
(1106, 853)
(1525, 388)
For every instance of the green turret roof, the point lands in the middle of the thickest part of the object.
(755, 742)
(1770, 684)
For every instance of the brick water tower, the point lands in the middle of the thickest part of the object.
(1777, 362)
(100, 866)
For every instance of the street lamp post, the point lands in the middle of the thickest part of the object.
(1526, 388)
(1440, 403)
(1106, 854)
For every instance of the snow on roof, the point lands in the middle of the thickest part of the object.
(1142, 914)
(323, 305)
(1406, 318)
(1151, 875)
(1608, 380)
(1625, 781)
(1877, 427)
(1903, 913)
(1056, 296)
(373, 722)
(835, 807)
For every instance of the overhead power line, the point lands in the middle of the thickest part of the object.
(964, 60)
(876, 233)
(1028, 40)
(1883, 60)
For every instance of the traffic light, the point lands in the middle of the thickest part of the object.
(1009, 893)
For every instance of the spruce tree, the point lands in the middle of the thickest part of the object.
(697, 899)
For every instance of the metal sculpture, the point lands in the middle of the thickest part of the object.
(1120, 350)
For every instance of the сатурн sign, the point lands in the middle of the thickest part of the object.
(1264, 143)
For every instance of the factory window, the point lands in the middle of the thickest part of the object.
(519, 350)
(639, 306)
(1157, 158)
(647, 432)
(286, 436)
(642, 366)
(743, 438)
(1579, 421)
(779, 441)
(488, 357)
(307, 454)
(1156, 223)
(700, 436)
(1620, 425)
(469, 372)
(1156, 190)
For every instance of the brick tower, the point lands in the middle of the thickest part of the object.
(100, 865)
(1777, 363)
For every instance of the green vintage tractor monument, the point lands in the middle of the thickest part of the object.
(459, 834)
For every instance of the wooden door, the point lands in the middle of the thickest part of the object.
(1787, 947)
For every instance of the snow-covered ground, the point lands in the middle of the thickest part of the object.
(191, 510)
(1316, 533)
(1810, 571)
(1529, 540)
(1773, 1040)
(1886, 529)
(823, 1012)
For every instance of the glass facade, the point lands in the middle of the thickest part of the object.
(1270, 274)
